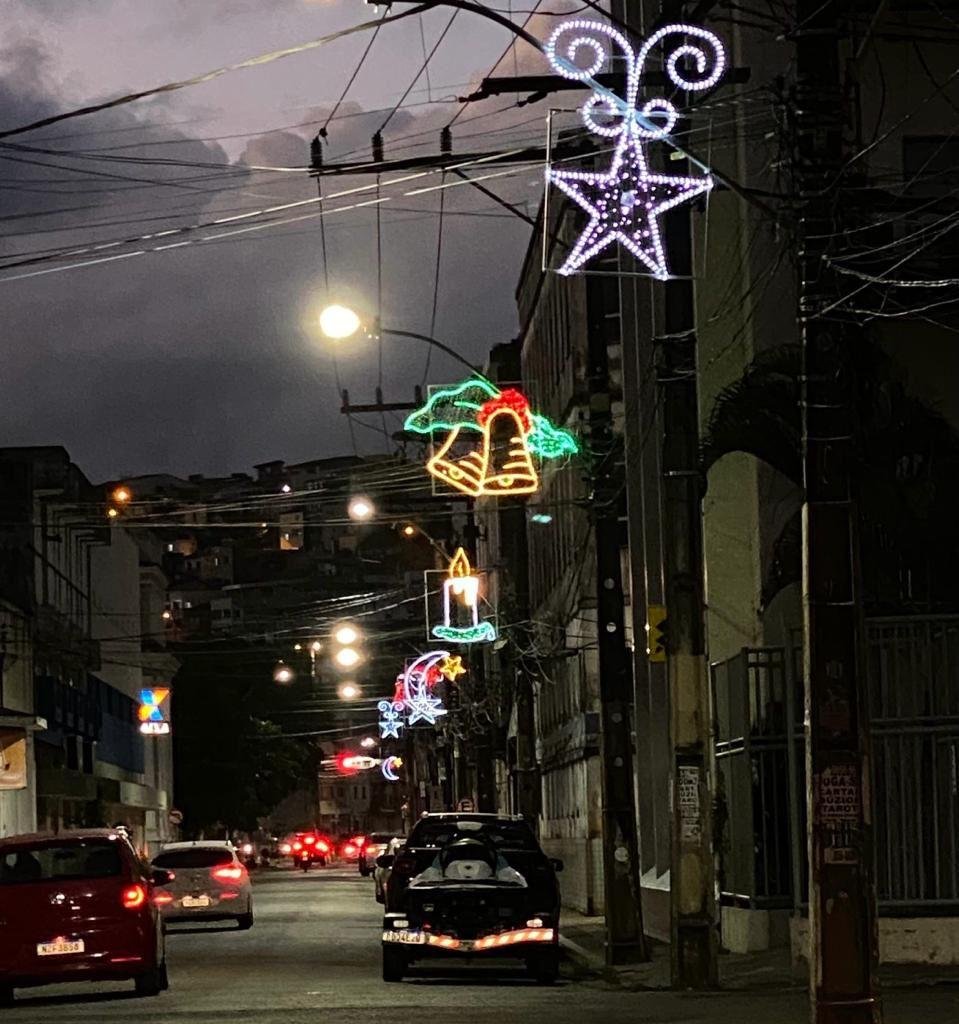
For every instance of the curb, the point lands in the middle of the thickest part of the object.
(581, 957)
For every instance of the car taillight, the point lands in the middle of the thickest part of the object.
(285, 848)
(310, 840)
(134, 896)
(323, 847)
(229, 874)
(162, 899)
(297, 846)
(359, 842)
(349, 850)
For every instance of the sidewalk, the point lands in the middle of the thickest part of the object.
(762, 986)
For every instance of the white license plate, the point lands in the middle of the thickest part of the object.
(196, 901)
(59, 948)
(409, 938)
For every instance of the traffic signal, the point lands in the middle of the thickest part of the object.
(656, 631)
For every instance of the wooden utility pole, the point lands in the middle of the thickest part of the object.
(842, 896)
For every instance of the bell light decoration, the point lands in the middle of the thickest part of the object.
(500, 461)
(625, 202)
(461, 598)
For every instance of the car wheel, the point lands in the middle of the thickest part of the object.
(544, 967)
(245, 921)
(394, 964)
(6, 995)
(152, 982)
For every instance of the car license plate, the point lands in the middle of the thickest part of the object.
(196, 901)
(59, 947)
(409, 938)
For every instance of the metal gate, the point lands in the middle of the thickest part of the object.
(913, 699)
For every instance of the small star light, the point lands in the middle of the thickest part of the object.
(625, 202)
(452, 667)
(425, 709)
(391, 719)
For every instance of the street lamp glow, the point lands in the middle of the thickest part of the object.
(339, 322)
(346, 635)
(122, 495)
(347, 657)
(282, 673)
(316, 647)
(360, 508)
(409, 530)
(349, 691)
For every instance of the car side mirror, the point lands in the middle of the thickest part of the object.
(557, 864)
(159, 876)
(385, 860)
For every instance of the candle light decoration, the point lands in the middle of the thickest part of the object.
(625, 202)
(461, 597)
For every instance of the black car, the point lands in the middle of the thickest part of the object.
(471, 885)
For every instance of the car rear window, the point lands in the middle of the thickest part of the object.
(506, 835)
(195, 857)
(53, 862)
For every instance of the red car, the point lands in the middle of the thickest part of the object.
(78, 907)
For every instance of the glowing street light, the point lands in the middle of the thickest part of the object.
(409, 530)
(346, 635)
(349, 691)
(122, 495)
(348, 657)
(360, 509)
(283, 674)
(339, 322)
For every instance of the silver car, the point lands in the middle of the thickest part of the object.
(381, 876)
(209, 883)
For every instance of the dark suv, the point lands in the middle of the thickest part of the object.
(476, 885)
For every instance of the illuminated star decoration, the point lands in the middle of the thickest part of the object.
(452, 667)
(391, 719)
(625, 202)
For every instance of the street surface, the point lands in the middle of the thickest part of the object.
(313, 956)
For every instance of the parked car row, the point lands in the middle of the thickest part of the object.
(83, 906)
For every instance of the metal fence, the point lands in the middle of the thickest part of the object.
(913, 699)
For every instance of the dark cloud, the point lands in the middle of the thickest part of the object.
(200, 359)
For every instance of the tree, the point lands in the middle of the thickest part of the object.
(906, 469)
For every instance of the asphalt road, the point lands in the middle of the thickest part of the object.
(313, 956)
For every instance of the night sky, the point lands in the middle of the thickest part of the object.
(203, 358)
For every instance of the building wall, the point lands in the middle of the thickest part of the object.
(18, 807)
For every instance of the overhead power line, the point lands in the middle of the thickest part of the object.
(209, 76)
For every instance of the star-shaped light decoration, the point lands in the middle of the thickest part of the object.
(424, 709)
(451, 667)
(391, 719)
(624, 203)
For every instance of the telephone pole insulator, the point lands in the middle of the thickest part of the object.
(378, 148)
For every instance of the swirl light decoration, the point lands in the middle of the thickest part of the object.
(624, 203)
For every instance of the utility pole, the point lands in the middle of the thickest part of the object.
(694, 932)
(625, 940)
(842, 896)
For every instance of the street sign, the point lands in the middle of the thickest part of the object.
(175, 817)
(466, 804)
